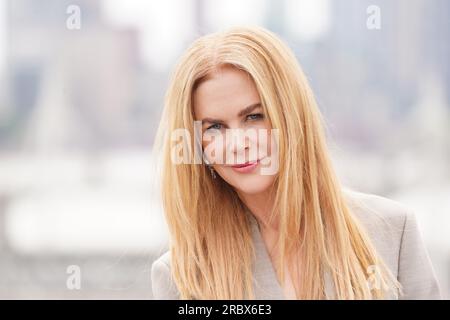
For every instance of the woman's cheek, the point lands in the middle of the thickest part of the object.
(213, 148)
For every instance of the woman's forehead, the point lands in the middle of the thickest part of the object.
(226, 91)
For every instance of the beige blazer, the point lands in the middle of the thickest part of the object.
(394, 233)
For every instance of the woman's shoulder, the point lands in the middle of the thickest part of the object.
(372, 208)
(395, 233)
(163, 286)
(383, 219)
(163, 259)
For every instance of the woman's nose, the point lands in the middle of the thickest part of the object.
(237, 143)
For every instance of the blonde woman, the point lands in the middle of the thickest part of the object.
(269, 220)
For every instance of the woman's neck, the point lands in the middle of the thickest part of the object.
(260, 205)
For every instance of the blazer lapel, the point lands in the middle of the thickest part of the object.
(265, 280)
(264, 277)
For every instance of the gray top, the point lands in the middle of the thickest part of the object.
(392, 228)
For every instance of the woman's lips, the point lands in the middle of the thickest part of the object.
(246, 167)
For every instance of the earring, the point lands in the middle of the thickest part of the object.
(213, 172)
(211, 169)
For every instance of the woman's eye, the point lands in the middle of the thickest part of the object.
(216, 126)
(255, 116)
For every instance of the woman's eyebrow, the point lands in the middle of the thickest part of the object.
(210, 120)
(249, 109)
(241, 113)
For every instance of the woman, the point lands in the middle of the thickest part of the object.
(271, 221)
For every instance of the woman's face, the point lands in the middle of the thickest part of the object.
(236, 134)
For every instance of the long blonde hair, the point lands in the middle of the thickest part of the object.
(210, 238)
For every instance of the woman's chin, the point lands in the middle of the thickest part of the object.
(250, 184)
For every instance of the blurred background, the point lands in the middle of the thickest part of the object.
(82, 86)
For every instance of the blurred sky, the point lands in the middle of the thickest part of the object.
(163, 23)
